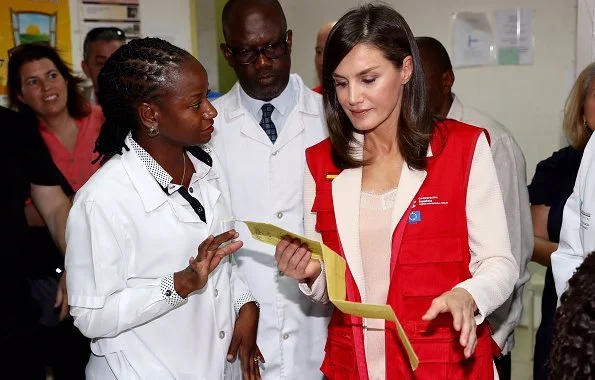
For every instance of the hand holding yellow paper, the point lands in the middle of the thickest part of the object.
(271, 234)
(335, 267)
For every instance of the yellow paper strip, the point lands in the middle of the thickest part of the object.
(271, 234)
(335, 266)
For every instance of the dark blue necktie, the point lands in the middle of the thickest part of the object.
(267, 123)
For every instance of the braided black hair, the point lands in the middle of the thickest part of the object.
(137, 72)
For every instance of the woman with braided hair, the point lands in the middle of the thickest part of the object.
(158, 199)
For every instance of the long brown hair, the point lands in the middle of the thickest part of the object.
(380, 26)
(78, 106)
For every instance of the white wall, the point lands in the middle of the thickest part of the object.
(169, 20)
(527, 99)
(585, 38)
(206, 20)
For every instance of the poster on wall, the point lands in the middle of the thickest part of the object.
(27, 21)
(122, 14)
(515, 37)
(472, 40)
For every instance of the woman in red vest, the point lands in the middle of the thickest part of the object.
(412, 203)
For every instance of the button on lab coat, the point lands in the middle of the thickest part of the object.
(266, 185)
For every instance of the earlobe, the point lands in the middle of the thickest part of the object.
(147, 115)
(226, 54)
(448, 79)
(85, 68)
(407, 69)
(289, 40)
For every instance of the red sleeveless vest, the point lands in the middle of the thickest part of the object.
(430, 255)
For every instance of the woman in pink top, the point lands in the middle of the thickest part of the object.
(42, 87)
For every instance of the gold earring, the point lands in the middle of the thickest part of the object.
(153, 131)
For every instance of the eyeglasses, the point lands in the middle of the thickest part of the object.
(271, 51)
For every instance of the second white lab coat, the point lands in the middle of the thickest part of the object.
(266, 185)
(577, 236)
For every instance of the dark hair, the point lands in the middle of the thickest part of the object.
(231, 4)
(437, 53)
(384, 28)
(573, 346)
(78, 106)
(102, 34)
(136, 72)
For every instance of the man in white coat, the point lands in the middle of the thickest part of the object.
(265, 123)
(577, 236)
(511, 171)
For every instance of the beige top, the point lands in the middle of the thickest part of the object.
(375, 241)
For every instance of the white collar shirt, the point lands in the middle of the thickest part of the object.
(284, 104)
(125, 235)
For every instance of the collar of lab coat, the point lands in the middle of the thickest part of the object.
(308, 101)
(149, 190)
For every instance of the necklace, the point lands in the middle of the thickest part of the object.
(184, 171)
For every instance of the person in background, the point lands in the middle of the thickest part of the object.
(549, 190)
(577, 236)
(413, 205)
(99, 44)
(148, 278)
(511, 170)
(45, 91)
(321, 38)
(29, 172)
(267, 120)
(573, 346)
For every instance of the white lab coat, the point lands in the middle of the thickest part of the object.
(266, 185)
(577, 236)
(124, 234)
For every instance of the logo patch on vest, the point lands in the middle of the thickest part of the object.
(432, 200)
(414, 217)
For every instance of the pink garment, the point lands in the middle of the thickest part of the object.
(375, 243)
(76, 166)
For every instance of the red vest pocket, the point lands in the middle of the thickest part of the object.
(339, 361)
(435, 250)
(430, 267)
(445, 360)
(430, 280)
